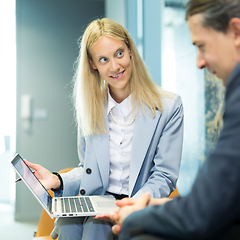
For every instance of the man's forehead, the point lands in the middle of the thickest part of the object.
(195, 21)
(196, 28)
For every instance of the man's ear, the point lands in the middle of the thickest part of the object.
(234, 27)
(92, 64)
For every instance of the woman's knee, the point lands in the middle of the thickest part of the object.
(69, 228)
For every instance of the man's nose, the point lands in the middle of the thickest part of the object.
(201, 62)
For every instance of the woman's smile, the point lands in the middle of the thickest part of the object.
(119, 75)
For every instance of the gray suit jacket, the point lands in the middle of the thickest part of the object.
(155, 156)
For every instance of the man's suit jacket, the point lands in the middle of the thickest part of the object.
(212, 207)
(155, 155)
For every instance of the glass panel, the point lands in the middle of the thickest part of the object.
(180, 75)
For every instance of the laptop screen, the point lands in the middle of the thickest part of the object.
(31, 180)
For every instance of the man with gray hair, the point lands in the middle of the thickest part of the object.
(212, 209)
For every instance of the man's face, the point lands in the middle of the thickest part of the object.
(217, 51)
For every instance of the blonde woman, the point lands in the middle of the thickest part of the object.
(130, 130)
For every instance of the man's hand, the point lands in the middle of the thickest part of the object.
(128, 206)
(126, 210)
(159, 201)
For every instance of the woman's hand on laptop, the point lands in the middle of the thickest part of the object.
(47, 179)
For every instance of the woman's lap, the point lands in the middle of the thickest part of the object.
(83, 228)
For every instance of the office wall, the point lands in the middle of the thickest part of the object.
(47, 33)
(116, 10)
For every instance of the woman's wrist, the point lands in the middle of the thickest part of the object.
(58, 182)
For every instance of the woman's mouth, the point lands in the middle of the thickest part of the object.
(119, 75)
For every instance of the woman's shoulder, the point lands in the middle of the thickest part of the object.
(168, 102)
(170, 99)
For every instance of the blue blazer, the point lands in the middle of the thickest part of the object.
(155, 156)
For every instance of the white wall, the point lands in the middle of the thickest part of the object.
(115, 9)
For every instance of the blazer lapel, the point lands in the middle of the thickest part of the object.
(101, 147)
(143, 132)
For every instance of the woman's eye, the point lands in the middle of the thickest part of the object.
(120, 53)
(103, 60)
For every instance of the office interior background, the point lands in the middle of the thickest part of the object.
(38, 48)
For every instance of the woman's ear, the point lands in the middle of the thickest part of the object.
(92, 64)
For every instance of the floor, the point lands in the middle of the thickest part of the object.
(11, 230)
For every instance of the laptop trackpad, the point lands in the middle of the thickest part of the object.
(107, 204)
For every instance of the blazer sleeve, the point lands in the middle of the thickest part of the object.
(212, 206)
(72, 179)
(168, 151)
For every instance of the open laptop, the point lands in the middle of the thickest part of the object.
(62, 206)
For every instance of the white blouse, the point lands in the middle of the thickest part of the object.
(120, 140)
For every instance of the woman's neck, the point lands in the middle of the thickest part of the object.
(119, 96)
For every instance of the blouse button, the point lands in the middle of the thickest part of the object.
(82, 191)
(88, 171)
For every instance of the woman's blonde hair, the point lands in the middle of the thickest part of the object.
(90, 90)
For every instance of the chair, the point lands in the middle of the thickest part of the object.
(174, 194)
(46, 223)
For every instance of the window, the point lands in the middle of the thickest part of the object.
(180, 75)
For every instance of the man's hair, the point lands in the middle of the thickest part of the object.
(216, 13)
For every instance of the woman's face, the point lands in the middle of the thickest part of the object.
(112, 59)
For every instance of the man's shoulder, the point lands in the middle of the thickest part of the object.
(233, 82)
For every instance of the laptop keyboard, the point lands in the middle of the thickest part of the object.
(76, 204)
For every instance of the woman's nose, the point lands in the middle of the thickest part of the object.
(114, 66)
